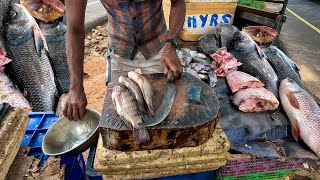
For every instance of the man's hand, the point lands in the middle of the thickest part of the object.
(170, 60)
(75, 107)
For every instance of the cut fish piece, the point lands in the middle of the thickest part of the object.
(238, 80)
(255, 100)
(261, 34)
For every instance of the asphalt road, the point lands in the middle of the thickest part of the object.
(301, 42)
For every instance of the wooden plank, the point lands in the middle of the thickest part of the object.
(187, 124)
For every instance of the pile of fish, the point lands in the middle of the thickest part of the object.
(39, 62)
(129, 98)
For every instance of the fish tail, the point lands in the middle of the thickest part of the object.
(140, 135)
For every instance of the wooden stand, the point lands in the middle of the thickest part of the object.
(187, 124)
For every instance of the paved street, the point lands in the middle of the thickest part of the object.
(95, 14)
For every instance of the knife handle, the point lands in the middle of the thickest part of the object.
(170, 76)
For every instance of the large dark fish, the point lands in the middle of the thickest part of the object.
(253, 61)
(282, 65)
(224, 34)
(30, 67)
(208, 44)
(55, 35)
(4, 9)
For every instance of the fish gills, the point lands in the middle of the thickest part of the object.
(255, 100)
(127, 108)
(55, 35)
(146, 89)
(135, 90)
(238, 80)
(303, 112)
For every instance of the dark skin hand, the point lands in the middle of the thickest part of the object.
(169, 58)
(75, 107)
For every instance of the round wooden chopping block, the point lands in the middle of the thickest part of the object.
(188, 124)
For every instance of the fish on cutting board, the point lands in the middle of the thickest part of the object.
(224, 62)
(255, 100)
(282, 65)
(303, 112)
(253, 61)
(30, 67)
(146, 89)
(127, 108)
(261, 34)
(135, 90)
(55, 36)
(238, 80)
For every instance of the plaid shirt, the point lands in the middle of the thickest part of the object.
(135, 25)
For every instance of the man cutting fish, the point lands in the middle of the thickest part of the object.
(138, 39)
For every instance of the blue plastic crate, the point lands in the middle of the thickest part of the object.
(94, 175)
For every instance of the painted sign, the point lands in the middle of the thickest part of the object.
(204, 23)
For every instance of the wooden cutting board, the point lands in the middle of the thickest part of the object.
(187, 124)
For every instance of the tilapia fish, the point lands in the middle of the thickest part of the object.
(135, 90)
(255, 100)
(30, 67)
(127, 108)
(238, 80)
(146, 89)
(303, 112)
(4, 11)
(282, 65)
(261, 34)
(55, 36)
(224, 34)
(253, 61)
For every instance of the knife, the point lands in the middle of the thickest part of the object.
(166, 103)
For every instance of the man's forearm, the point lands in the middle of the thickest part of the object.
(75, 53)
(176, 19)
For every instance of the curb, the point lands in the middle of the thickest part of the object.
(94, 23)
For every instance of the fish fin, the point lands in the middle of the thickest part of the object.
(39, 39)
(260, 52)
(293, 100)
(295, 129)
(140, 135)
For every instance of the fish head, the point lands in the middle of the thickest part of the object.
(19, 18)
(241, 41)
(289, 85)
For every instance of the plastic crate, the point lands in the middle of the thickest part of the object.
(94, 175)
(39, 124)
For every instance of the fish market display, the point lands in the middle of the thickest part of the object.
(253, 62)
(146, 89)
(4, 10)
(127, 108)
(238, 80)
(45, 10)
(30, 67)
(282, 65)
(224, 62)
(135, 90)
(303, 112)
(261, 34)
(224, 34)
(255, 100)
(55, 36)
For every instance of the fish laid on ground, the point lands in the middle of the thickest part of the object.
(224, 62)
(127, 108)
(4, 11)
(224, 34)
(30, 67)
(253, 61)
(282, 65)
(135, 90)
(146, 89)
(261, 34)
(255, 100)
(238, 80)
(55, 36)
(208, 44)
(303, 112)
(45, 10)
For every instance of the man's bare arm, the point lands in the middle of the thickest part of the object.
(76, 102)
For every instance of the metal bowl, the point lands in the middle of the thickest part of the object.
(71, 137)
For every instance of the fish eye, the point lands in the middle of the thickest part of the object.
(291, 80)
(13, 14)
